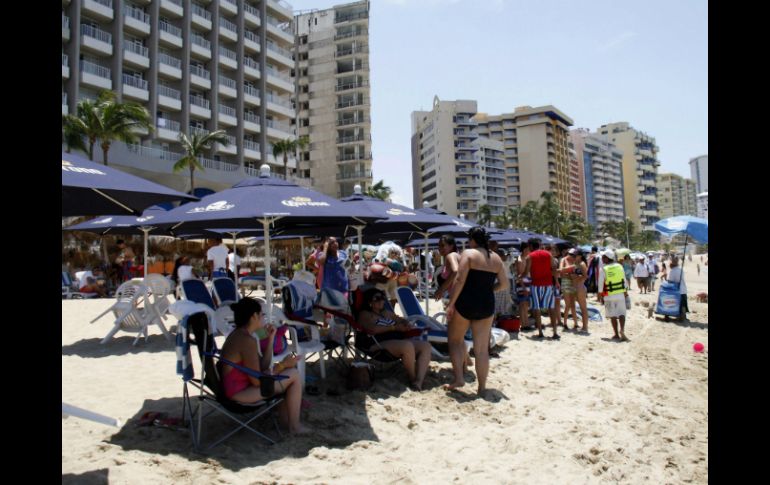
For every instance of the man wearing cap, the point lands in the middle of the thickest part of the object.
(612, 282)
(641, 273)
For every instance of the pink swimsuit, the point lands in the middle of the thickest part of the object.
(235, 381)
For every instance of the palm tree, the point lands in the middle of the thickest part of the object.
(194, 147)
(284, 147)
(379, 190)
(505, 219)
(104, 120)
(483, 215)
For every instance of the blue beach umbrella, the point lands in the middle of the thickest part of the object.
(264, 202)
(91, 189)
(129, 225)
(694, 227)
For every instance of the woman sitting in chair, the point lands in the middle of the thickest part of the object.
(241, 347)
(386, 330)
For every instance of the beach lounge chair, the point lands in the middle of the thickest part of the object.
(224, 290)
(195, 290)
(196, 329)
(69, 289)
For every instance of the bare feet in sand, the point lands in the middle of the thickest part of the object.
(454, 385)
(300, 430)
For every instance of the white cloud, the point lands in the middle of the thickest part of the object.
(617, 41)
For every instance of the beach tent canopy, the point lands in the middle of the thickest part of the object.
(91, 189)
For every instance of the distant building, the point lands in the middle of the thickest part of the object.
(676, 196)
(699, 172)
(602, 170)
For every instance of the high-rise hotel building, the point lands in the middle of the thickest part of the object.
(453, 169)
(535, 144)
(640, 170)
(676, 195)
(197, 66)
(602, 171)
(333, 97)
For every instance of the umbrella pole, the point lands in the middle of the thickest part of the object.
(302, 252)
(359, 230)
(425, 276)
(146, 231)
(235, 254)
(268, 283)
(684, 252)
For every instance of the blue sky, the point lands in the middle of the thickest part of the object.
(598, 61)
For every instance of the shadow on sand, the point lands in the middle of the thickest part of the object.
(94, 477)
(122, 345)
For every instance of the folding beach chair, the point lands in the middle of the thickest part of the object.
(158, 290)
(196, 329)
(195, 290)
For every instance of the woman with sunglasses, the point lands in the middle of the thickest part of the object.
(242, 348)
(386, 330)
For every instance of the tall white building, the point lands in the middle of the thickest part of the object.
(334, 103)
(453, 169)
(602, 169)
(699, 172)
(195, 65)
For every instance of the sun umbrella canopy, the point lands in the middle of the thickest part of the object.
(695, 227)
(128, 225)
(254, 200)
(91, 189)
(395, 217)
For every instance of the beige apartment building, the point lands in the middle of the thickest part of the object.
(640, 168)
(333, 97)
(453, 169)
(197, 66)
(602, 170)
(576, 182)
(535, 144)
(676, 196)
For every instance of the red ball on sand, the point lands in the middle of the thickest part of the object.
(698, 347)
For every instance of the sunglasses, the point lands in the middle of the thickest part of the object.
(378, 298)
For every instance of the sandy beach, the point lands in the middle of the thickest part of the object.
(584, 409)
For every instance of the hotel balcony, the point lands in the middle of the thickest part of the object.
(100, 9)
(200, 77)
(251, 149)
(200, 46)
(279, 105)
(251, 68)
(200, 107)
(169, 66)
(135, 20)
(135, 88)
(136, 55)
(352, 121)
(278, 129)
(229, 6)
(227, 87)
(169, 98)
(64, 106)
(172, 7)
(228, 30)
(349, 51)
(251, 41)
(200, 17)
(227, 116)
(251, 122)
(65, 27)
(65, 68)
(279, 80)
(356, 175)
(280, 7)
(351, 34)
(167, 129)
(95, 75)
(280, 30)
(251, 95)
(230, 148)
(350, 17)
(279, 54)
(95, 40)
(349, 139)
(170, 34)
(251, 15)
(227, 57)
(352, 157)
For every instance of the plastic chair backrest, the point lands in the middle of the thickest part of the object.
(408, 301)
(225, 290)
(66, 280)
(298, 298)
(158, 284)
(196, 291)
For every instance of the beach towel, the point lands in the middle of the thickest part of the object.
(183, 357)
(335, 300)
(301, 298)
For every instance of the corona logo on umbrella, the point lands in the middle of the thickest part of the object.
(68, 167)
(106, 220)
(398, 212)
(461, 224)
(220, 205)
(145, 219)
(300, 201)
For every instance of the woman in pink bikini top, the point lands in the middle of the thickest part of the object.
(448, 249)
(242, 348)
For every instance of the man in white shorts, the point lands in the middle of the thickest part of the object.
(612, 284)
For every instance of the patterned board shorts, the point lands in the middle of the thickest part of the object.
(541, 298)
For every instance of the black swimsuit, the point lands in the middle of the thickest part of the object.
(477, 299)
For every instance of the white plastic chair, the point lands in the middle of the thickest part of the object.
(124, 299)
(130, 316)
(159, 288)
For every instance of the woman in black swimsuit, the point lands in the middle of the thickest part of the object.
(473, 304)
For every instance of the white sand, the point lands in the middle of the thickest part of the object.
(581, 410)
